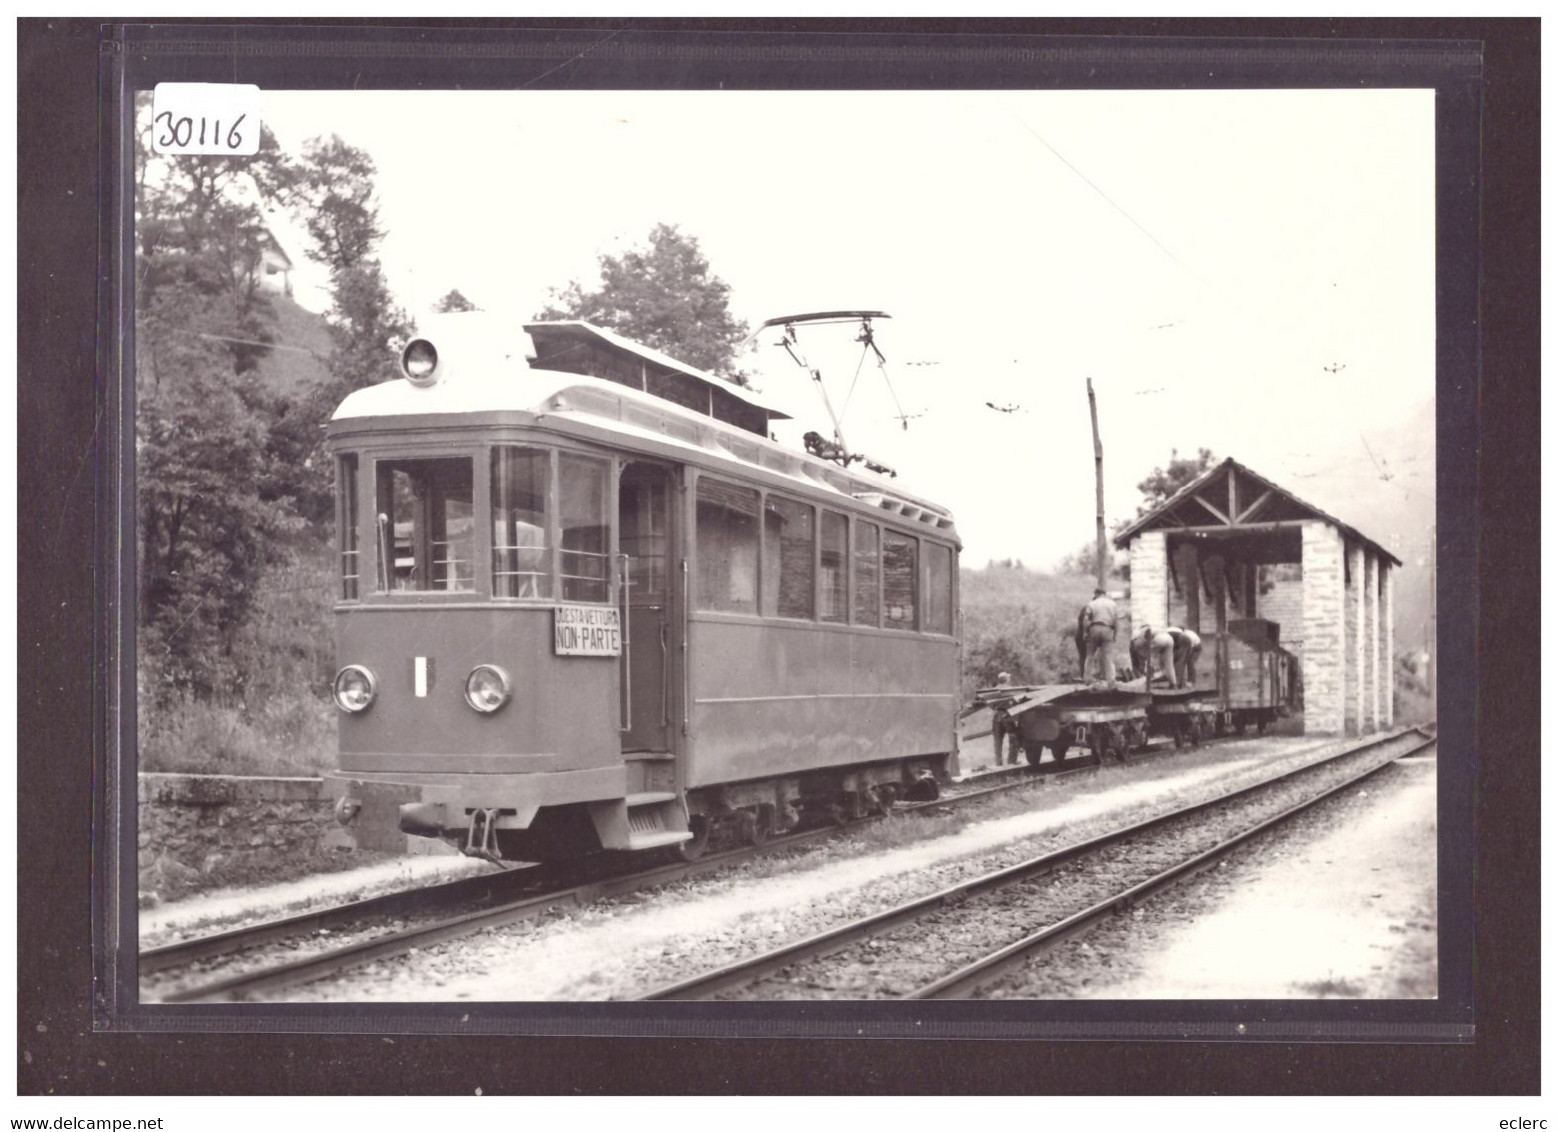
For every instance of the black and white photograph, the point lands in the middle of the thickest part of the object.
(785, 557)
(775, 545)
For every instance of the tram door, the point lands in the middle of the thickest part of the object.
(644, 526)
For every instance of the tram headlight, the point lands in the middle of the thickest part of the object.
(487, 688)
(419, 362)
(355, 688)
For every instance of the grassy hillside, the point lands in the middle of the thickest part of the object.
(1019, 621)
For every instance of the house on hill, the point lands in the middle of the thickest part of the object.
(1232, 547)
(273, 273)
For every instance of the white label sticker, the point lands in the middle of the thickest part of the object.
(586, 630)
(212, 118)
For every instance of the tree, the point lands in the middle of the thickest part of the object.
(453, 302)
(1164, 482)
(334, 193)
(212, 515)
(662, 295)
(1155, 489)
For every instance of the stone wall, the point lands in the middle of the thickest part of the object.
(1325, 643)
(1387, 614)
(1283, 602)
(1149, 580)
(1371, 716)
(1355, 643)
(205, 830)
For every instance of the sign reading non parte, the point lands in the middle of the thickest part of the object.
(586, 630)
(210, 118)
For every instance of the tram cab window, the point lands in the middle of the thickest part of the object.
(346, 524)
(521, 556)
(424, 526)
(788, 550)
(868, 573)
(584, 554)
(900, 578)
(727, 548)
(834, 592)
(938, 588)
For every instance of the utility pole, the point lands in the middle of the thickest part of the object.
(1098, 473)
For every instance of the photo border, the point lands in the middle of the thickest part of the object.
(874, 57)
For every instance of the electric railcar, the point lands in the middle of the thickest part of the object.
(586, 603)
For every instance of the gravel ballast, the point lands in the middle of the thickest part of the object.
(1342, 903)
(623, 947)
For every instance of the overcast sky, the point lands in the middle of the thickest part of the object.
(1249, 271)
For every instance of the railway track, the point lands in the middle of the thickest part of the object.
(225, 966)
(954, 942)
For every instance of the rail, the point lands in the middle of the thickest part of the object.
(754, 969)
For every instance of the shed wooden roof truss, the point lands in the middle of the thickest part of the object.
(1231, 500)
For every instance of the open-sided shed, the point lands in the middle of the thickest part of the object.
(1232, 545)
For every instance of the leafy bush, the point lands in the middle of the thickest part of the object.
(273, 715)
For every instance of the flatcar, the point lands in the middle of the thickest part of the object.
(588, 603)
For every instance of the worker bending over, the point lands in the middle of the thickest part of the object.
(1152, 651)
(1187, 649)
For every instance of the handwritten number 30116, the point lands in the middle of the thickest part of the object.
(182, 131)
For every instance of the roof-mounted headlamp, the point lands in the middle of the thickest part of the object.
(419, 362)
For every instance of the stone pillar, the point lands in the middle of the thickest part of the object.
(1354, 627)
(1371, 718)
(1149, 580)
(1387, 618)
(1325, 655)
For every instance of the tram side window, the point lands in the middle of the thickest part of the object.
(424, 525)
(835, 568)
(900, 578)
(346, 520)
(584, 555)
(727, 548)
(521, 557)
(788, 548)
(868, 574)
(938, 588)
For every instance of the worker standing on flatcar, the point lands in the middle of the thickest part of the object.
(1002, 724)
(1152, 650)
(1187, 649)
(1102, 623)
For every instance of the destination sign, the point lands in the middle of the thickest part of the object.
(586, 630)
